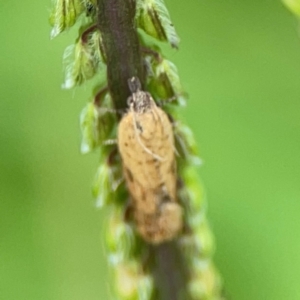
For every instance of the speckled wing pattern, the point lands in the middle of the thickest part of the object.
(146, 145)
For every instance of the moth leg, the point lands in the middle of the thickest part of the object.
(110, 142)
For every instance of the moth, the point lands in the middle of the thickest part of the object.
(146, 146)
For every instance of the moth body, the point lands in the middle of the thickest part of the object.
(146, 145)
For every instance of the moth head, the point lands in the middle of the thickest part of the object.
(139, 101)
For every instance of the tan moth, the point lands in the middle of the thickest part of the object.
(146, 145)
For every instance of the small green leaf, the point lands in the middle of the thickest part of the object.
(131, 280)
(167, 74)
(192, 196)
(108, 186)
(120, 237)
(83, 60)
(131, 283)
(97, 123)
(153, 17)
(186, 145)
(89, 120)
(204, 239)
(164, 81)
(102, 189)
(205, 282)
(107, 120)
(64, 15)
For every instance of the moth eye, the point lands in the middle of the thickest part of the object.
(130, 101)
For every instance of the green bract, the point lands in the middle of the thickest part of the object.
(97, 124)
(153, 17)
(165, 83)
(186, 145)
(82, 60)
(64, 15)
(89, 119)
(107, 187)
(132, 283)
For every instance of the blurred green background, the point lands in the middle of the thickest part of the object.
(239, 61)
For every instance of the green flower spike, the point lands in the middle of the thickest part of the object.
(197, 243)
(131, 280)
(153, 17)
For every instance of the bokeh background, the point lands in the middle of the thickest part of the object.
(239, 61)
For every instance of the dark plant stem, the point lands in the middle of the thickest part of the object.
(170, 273)
(124, 60)
(120, 40)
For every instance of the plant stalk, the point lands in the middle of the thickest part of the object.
(120, 40)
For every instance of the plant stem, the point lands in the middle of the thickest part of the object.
(170, 273)
(120, 40)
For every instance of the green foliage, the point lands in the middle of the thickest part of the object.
(97, 123)
(84, 59)
(124, 248)
(164, 82)
(64, 15)
(89, 120)
(153, 17)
